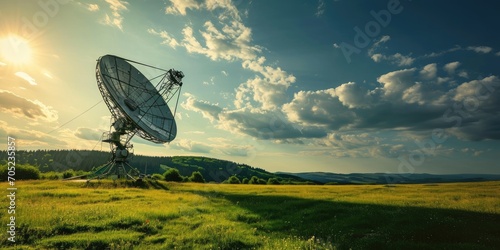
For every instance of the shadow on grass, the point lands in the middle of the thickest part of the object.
(367, 226)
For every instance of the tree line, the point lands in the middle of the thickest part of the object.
(57, 164)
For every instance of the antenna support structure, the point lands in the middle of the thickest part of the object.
(138, 108)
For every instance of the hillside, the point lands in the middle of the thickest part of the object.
(383, 178)
(213, 170)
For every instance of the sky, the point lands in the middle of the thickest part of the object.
(295, 86)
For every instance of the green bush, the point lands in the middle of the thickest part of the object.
(196, 176)
(50, 176)
(233, 180)
(173, 175)
(273, 181)
(22, 172)
(254, 180)
(68, 174)
(157, 176)
(245, 180)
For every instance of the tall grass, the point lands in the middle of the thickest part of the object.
(161, 215)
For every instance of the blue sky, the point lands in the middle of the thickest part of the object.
(337, 86)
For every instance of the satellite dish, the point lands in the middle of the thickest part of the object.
(137, 107)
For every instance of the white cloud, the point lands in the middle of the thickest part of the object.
(25, 76)
(378, 43)
(211, 82)
(167, 39)
(353, 95)
(463, 74)
(480, 49)
(180, 6)
(377, 57)
(320, 9)
(21, 107)
(399, 59)
(476, 87)
(269, 91)
(231, 42)
(436, 54)
(89, 134)
(26, 138)
(191, 146)
(318, 108)
(224, 73)
(47, 74)
(92, 7)
(264, 124)
(429, 71)
(497, 54)
(395, 82)
(116, 18)
(208, 110)
(451, 67)
(2, 64)
(229, 39)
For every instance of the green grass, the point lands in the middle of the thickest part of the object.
(160, 215)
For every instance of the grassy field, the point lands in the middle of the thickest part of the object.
(160, 215)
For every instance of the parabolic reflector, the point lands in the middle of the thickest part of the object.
(130, 95)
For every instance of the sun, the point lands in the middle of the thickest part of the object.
(15, 50)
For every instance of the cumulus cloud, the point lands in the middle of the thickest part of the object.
(429, 71)
(208, 110)
(402, 102)
(451, 67)
(353, 95)
(22, 107)
(261, 124)
(231, 42)
(318, 108)
(228, 39)
(268, 89)
(411, 99)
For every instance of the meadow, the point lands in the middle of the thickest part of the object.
(163, 215)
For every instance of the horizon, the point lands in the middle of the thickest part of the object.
(239, 163)
(316, 86)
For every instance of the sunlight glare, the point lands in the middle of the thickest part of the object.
(15, 50)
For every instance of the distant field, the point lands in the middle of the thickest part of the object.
(66, 215)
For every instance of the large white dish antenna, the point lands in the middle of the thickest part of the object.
(130, 95)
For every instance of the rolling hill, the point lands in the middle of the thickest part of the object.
(384, 178)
